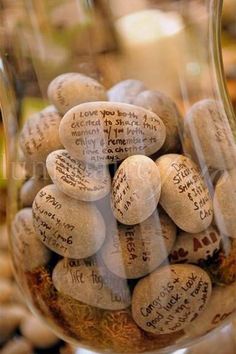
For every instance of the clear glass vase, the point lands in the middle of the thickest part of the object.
(121, 157)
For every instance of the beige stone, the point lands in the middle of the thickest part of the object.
(126, 91)
(170, 298)
(136, 189)
(134, 251)
(76, 179)
(106, 132)
(184, 195)
(68, 227)
(30, 189)
(18, 346)
(70, 89)
(6, 269)
(91, 283)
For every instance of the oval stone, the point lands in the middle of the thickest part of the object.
(195, 248)
(106, 132)
(70, 89)
(29, 252)
(77, 179)
(225, 203)
(167, 110)
(89, 282)
(170, 298)
(68, 227)
(184, 195)
(134, 251)
(136, 189)
(125, 91)
(30, 189)
(40, 136)
(208, 129)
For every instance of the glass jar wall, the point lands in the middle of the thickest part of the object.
(121, 158)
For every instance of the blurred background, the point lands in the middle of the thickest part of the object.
(20, 331)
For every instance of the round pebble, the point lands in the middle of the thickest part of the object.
(29, 252)
(89, 282)
(220, 306)
(134, 251)
(77, 179)
(167, 110)
(10, 318)
(30, 189)
(126, 91)
(170, 298)
(225, 203)
(208, 128)
(68, 227)
(18, 346)
(195, 248)
(70, 89)
(136, 189)
(106, 132)
(40, 136)
(38, 333)
(184, 195)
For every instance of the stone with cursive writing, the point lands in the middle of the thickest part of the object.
(195, 248)
(208, 130)
(136, 189)
(219, 308)
(30, 189)
(29, 252)
(70, 89)
(167, 110)
(106, 132)
(170, 298)
(184, 195)
(77, 179)
(68, 227)
(225, 203)
(40, 136)
(91, 283)
(125, 91)
(134, 251)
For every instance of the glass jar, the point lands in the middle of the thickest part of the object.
(121, 155)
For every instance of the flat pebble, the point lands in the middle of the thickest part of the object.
(106, 132)
(167, 110)
(195, 248)
(30, 189)
(225, 203)
(220, 306)
(37, 332)
(77, 179)
(10, 318)
(134, 251)
(126, 91)
(28, 251)
(90, 282)
(170, 298)
(68, 227)
(136, 189)
(40, 136)
(208, 128)
(18, 346)
(70, 89)
(184, 195)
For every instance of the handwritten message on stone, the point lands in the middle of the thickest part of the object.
(77, 179)
(194, 248)
(29, 252)
(184, 195)
(40, 135)
(91, 283)
(136, 189)
(134, 251)
(71, 89)
(180, 294)
(68, 227)
(208, 129)
(106, 132)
